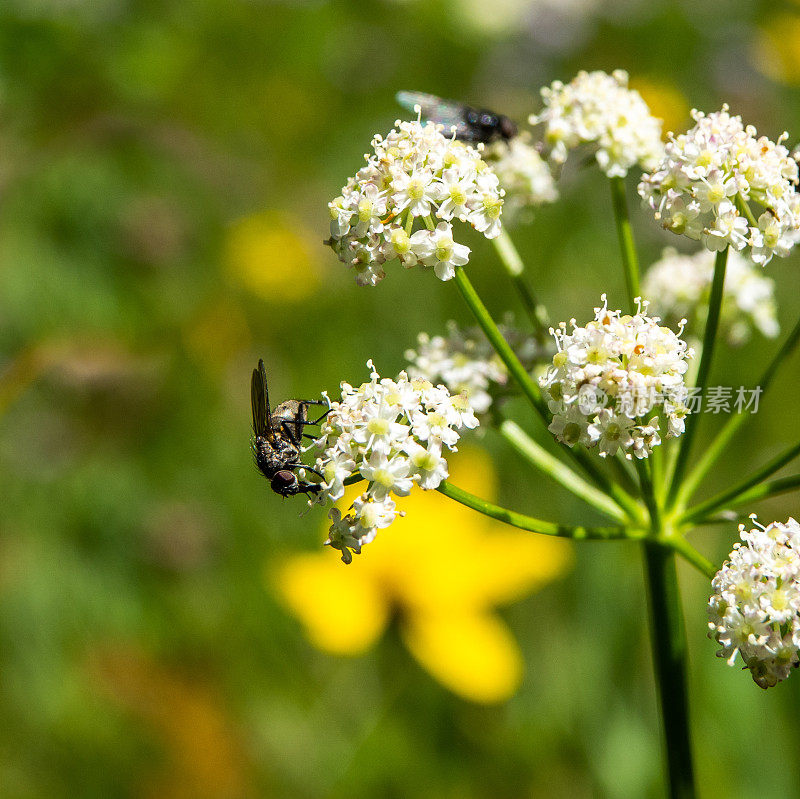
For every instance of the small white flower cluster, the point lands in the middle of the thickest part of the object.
(523, 174)
(392, 433)
(708, 178)
(465, 361)
(415, 176)
(755, 607)
(678, 287)
(599, 109)
(610, 379)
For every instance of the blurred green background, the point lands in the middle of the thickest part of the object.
(164, 174)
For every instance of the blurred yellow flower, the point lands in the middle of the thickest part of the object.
(776, 50)
(269, 254)
(665, 101)
(445, 568)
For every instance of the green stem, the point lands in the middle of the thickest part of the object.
(515, 267)
(557, 470)
(762, 491)
(534, 525)
(731, 427)
(742, 205)
(668, 641)
(528, 385)
(531, 389)
(709, 340)
(731, 495)
(690, 554)
(666, 621)
(648, 494)
(630, 261)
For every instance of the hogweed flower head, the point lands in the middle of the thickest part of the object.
(466, 362)
(712, 174)
(402, 204)
(612, 379)
(678, 286)
(599, 109)
(755, 608)
(393, 433)
(523, 174)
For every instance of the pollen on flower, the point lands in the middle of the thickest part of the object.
(755, 608)
(392, 433)
(600, 110)
(612, 380)
(389, 210)
(711, 178)
(678, 287)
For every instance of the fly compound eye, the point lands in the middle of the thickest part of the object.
(284, 482)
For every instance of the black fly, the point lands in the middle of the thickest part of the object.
(471, 124)
(278, 437)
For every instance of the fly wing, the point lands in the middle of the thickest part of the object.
(259, 399)
(446, 112)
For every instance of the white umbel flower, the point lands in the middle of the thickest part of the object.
(392, 433)
(722, 186)
(465, 361)
(678, 287)
(600, 110)
(755, 608)
(523, 174)
(612, 380)
(391, 210)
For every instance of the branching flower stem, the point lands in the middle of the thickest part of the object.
(532, 392)
(704, 512)
(717, 446)
(731, 496)
(630, 260)
(709, 340)
(558, 471)
(534, 525)
(667, 633)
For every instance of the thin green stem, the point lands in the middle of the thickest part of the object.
(742, 205)
(528, 385)
(630, 260)
(735, 421)
(548, 464)
(533, 525)
(668, 641)
(771, 488)
(730, 496)
(648, 493)
(709, 341)
(690, 554)
(666, 620)
(531, 389)
(515, 267)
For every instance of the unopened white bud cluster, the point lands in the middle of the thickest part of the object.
(678, 286)
(755, 608)
(611, 379)
(415, 178)
(393, 434)
(600, 110)
(465, 361)
(711, 175)
(523, 174)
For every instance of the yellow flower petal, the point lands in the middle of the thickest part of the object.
(473, 655)
(342, 609)
(776, 51)
(269, 254)
(666, 102)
